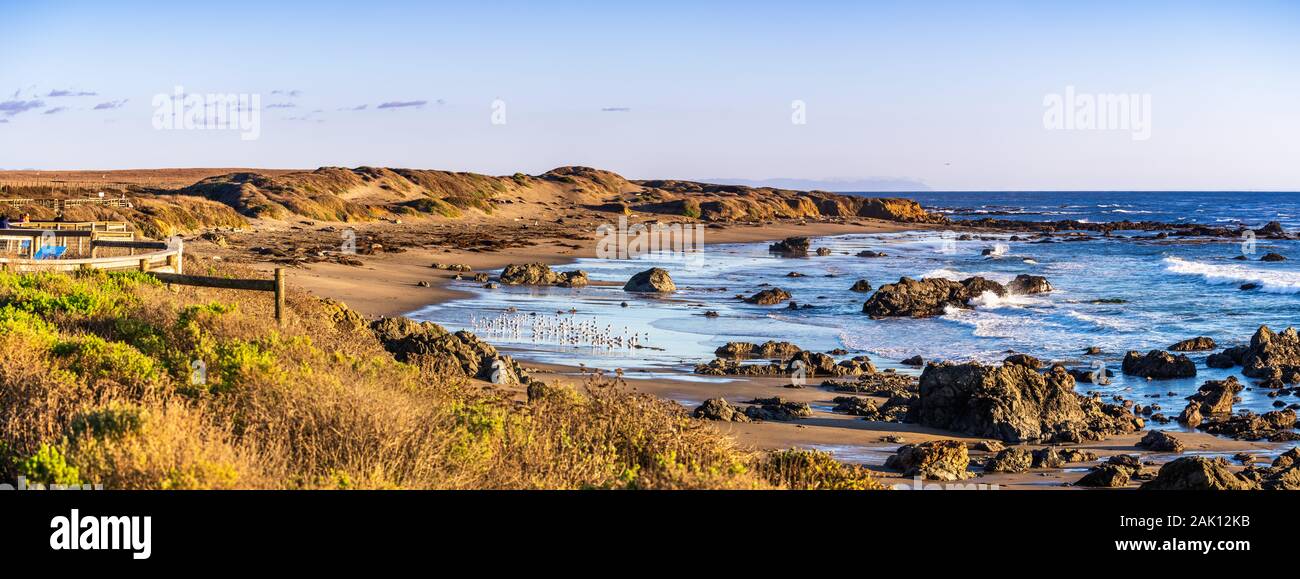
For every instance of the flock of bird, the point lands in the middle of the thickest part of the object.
(564, 329)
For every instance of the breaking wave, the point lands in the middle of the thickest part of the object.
(1281, 282)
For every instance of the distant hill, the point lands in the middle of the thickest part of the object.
(846, 185)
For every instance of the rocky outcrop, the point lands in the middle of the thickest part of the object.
(1025, 284)
(855, 406)
(1194, 345)
(812, 363)
(1015, 404)
(777, 409)
(1012, 460)
(770, 350)
(1198, 473)
(927, 297)
(945, 460)
(861, 285)
(791, 247)
(1212, 399)
(1269, 351)
(768, 297)
(718, 409)
(1158, 364)
(1024, 360)
(541, 274)
(458, 354)
(1274, 257)
(653, 280)
(1275, 425)
(1159, 441)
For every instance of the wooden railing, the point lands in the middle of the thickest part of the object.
(275, 285)
(160, 257)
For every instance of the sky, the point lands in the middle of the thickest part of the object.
(938, 95)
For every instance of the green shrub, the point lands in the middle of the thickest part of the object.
(49, 467)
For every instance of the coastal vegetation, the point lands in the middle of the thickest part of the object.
(118, 380)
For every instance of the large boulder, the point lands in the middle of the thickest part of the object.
(1198, 473)
(1029, 284)
(1213, 398)
(1198, 344)
(777, 408)
(1015, 459)
(927, 297)
(1270, 351)
(1159, 441)
(541, 274)
(1015, 404)
(460, 354)
(936, 460)
(861, 285)
(718, 409)
(770, 349)
(769, 297)
(791, 246)
(651, 280)
(1158, 364)
(1275, 425)
(1105, 476)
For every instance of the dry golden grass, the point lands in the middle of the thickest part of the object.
(96, 387)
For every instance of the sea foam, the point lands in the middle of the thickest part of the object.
(1282, 282)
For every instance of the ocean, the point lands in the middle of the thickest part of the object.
(1118, 294)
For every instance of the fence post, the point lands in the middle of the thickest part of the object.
(279, 295)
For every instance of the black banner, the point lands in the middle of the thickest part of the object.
(148, 529)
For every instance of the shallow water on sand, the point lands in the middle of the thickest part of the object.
(1170, 290)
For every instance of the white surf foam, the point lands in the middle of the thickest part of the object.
(1282, 282)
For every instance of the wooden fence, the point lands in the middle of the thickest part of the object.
(265, 285)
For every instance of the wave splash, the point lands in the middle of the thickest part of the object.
(1281, 282)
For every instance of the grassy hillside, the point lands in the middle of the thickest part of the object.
(97, 386)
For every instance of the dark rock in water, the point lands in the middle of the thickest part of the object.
(481, 277)
(541, 274)
(1275, 425)
(1160, 441)
(1269, 351)
(1220, 361)
(1213, 398)
(769, 297)
(914, 361)
(770, 349)
(1024, 360)
(655, 280)
(945, 460)
(1272, 230)
(1092, 351)
(458, 354)
(1015, 404)
(928, 297)
(1240, 258)
(1105, 476)
(777, 409)
(1198, 473)
(861, 285)
(870, 254)
(1273, 257)
(1029, 284)
(1013, 460)
(1129, 462)
(1249, 287)
(1194, 345)
(791, 246)
(718, 409)
(1158, 364)
(823, 251)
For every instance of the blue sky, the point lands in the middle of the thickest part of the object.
(949, 94)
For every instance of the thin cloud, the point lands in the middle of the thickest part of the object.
(616, 110)
(281, 106)
(13, 107)
(295, 93)
(356, 108)
(70, 93)
(402, 104)
(110, 105)
(55, 110)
